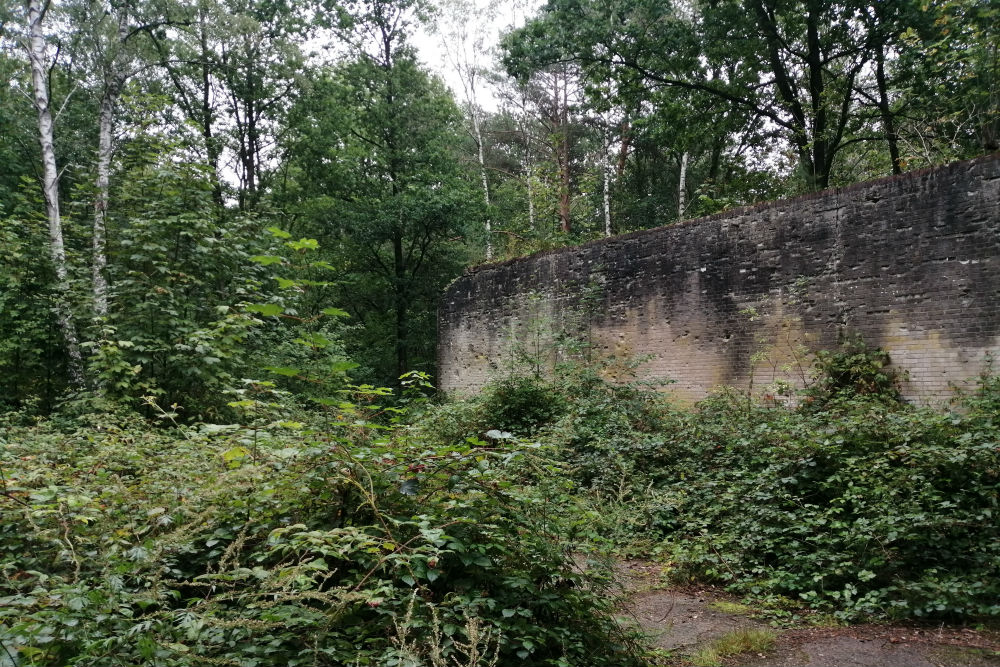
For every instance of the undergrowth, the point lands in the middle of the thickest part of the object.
(354, 543)
(350, 537)
(851, 501)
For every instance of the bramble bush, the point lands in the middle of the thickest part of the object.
(869, 509)
(287, 544)
(852, 502)
(345, 536)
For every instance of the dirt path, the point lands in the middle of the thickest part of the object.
(683, 622)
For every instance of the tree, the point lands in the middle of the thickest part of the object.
(110, 33)
(464, 45)
(17, 149)
(950, 59)
(378, 182)
(232, 65)
(36, 47)
(557, 133)
(793, 64)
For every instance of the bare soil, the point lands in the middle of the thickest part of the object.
(680, 621)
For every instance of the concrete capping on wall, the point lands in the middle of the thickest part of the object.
(911, 262)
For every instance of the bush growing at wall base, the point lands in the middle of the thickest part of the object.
(864, 506)
(853, 370)
(867, 510)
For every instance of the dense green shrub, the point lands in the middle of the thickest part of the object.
(869, 509)
(354, 544)
(521, 404)
(853, 502)
(853, 370)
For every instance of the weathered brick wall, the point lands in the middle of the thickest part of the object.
(911, 262)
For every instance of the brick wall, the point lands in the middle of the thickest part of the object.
(911, 262)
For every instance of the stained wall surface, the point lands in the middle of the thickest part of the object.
(912, 263)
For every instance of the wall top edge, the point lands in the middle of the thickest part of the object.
(744, 210)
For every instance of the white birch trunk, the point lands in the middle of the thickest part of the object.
(100, 261)
(113, 85)
(528, 170)
(607, 184)
(50, 187)
(682, 187)
(531, 199)
(486, 184)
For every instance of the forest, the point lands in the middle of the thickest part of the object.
(224, 229)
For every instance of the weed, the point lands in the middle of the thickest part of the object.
(737, 642)
(727, 607)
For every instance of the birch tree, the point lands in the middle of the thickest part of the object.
(114, 63)
(464, 43)
(35, 46)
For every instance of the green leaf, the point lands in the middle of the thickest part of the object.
(265, 309)
(342, 366)
(335, 312)
(325, 401)
(322, 265)
(266, 260)
(312, 340)
(235, 454)
(303, 244)
(282, 370)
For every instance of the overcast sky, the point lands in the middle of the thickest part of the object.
(471, 37)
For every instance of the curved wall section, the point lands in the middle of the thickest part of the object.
(912, 263)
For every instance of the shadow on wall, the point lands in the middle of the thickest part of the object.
(912, 263)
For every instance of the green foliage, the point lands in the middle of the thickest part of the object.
(863, 507)
(607, 436)
(15, 122)
(31, 361)
(198, 301)
(521, 404)
(348, 545)
(868, 508)
(853, 370)
(951, 57)
(380, 186)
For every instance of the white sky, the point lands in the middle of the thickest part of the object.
(467, 32)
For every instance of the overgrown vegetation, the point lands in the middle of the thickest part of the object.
(851, 501)
(345, 536)
(289, 544)
(190, 199)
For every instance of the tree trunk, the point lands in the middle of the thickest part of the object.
(529, 172)
(482, 175)
(531, 197)
(99, 261)
(607, 183)
(808, 130)
(399, 296)
(562, 151)
(50, 187)
(207, 115)
(626, 139)
(113, 85)
(888, 126)
(682, 187)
